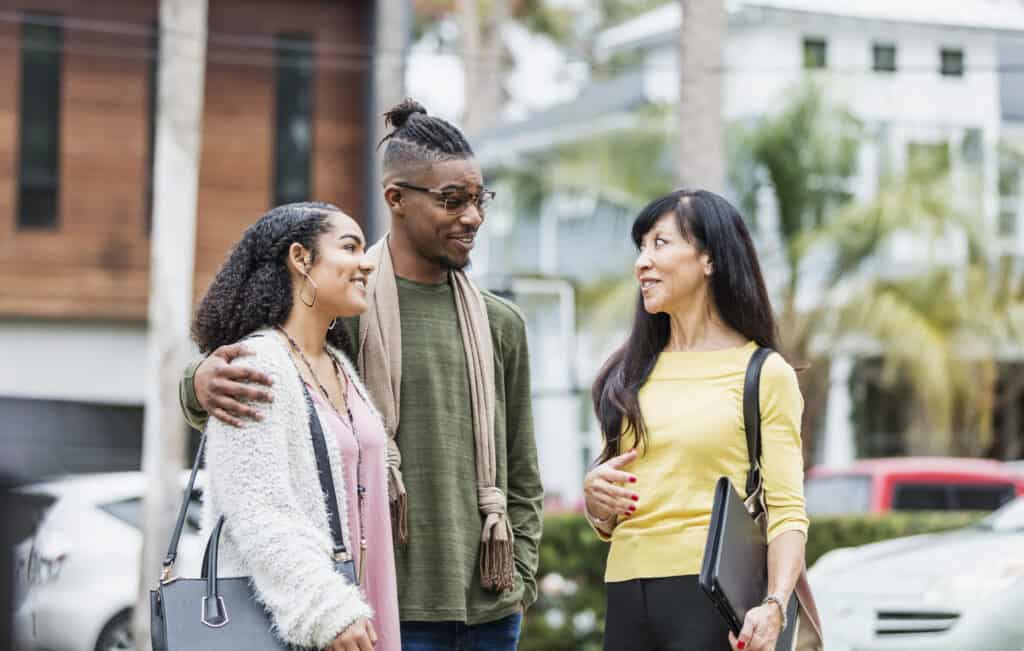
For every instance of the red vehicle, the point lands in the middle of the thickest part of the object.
(911, 484)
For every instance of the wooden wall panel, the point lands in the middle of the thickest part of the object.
(10, 81)
(95, 264)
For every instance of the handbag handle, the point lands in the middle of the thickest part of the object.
(752, 415)
(214, 612)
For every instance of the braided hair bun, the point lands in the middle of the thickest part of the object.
(400, 114)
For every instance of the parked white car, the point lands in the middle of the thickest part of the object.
(77, 577)
(961, 590)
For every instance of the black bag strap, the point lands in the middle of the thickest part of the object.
(324, 474)
(323, 467)
(172, 548)
(752, 415)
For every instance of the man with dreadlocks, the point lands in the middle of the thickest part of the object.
(447, 366)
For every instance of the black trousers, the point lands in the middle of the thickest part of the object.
(669, 614)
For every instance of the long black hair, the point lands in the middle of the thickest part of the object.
(713, 226)
(253, 288)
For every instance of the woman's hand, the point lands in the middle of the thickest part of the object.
(220, 387)
(603, 488)
(761, 629)
(359, 636)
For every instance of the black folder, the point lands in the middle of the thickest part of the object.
(734, 574)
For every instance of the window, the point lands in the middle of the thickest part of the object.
(981, 497)
(815, 53)
(152, 97)
(39, 121)
(1007, 222)
(839, 495)
(952, 62)
(884, 58)
(23, 512)
(1010, 168)
(293, 128)
(129, 511)
(973, 147)
(920, 497)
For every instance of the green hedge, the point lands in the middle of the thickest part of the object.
(569, 615)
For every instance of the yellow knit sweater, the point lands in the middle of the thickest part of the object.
(692, 405)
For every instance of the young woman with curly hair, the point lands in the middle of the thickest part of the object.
(293, 274)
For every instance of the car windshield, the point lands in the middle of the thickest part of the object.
(1008, 518)
(838, 495)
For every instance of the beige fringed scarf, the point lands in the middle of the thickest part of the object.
(380, 364)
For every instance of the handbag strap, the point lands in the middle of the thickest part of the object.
(752, 415)
(324, 474)
(172, 548)
(323, 466)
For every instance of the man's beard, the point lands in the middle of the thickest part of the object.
(445, 262)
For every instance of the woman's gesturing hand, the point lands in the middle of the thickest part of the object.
(605, 488)
(761, 629)
(359, 636)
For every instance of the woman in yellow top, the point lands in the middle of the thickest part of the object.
(670, 404)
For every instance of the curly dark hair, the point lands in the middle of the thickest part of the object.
(253, 289)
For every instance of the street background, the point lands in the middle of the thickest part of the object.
(875, 148)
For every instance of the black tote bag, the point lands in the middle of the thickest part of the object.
(222, 614)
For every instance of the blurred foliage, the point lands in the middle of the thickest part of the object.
(569, 614)
(570, 28)
(626, 166)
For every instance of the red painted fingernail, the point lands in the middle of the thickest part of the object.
(627, 514)
(636, 497)
(632, 480)
(741, 644)
(632, 508)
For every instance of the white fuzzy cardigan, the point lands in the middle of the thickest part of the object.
(263, 479)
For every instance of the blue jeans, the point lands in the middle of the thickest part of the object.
(499, 635)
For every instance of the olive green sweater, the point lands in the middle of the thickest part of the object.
(438, 570)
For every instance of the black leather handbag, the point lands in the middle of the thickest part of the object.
(222, 614)
(734, 573)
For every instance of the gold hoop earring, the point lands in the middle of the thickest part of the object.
(334, 322)
(305, 278)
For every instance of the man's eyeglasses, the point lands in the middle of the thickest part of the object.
(454, 201)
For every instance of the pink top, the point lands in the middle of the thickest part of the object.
(380, 585)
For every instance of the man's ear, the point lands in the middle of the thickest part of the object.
(393, 197)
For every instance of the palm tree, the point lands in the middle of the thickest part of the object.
(701, 152)
(175, 181)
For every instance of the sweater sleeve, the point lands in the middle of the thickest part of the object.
(289, 557)
(190, 407)
(781, 449)
(525, 491)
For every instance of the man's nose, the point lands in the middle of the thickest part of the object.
(472, 216)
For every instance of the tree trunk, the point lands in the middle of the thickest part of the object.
(701, 150)
(181, 73)
(393, 22)
(469, 37)
(488, 97)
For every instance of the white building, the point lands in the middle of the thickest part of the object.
(917, 73)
